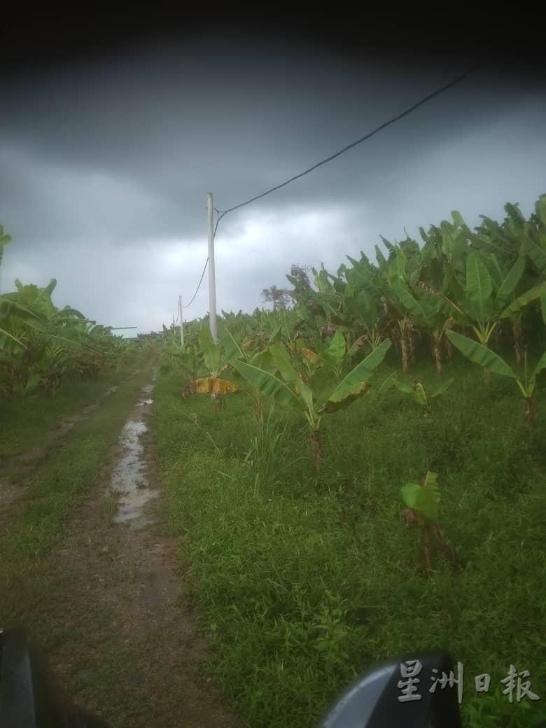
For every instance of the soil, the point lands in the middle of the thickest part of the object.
(117, 573)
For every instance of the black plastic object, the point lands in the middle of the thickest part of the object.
(31, 698)
(373, 701)
(29, 694)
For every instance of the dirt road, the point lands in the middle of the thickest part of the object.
(126, 641)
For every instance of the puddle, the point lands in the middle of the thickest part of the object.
(129, 476)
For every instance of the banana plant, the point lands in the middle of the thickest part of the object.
(36, 338)
(534, 244)
(334, 357)
(363, 301)
(488, 297)
(16, 321)
(422, 511)
(23, 390)
(261, 359)
(505, 240)
(418, 393)
(291, 390)
(481, 306)
(216, 358)
(212, 383)
(395, 277)
(279, 327)
(325, 305)
(446, 247)
(486, 358)
(214, 386)
(429, 312)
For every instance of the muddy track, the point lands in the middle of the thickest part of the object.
(131, 649)
(12, 493)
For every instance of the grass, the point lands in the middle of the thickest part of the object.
(59, 482)
(25, 423)
(50, 589)
(304, 583)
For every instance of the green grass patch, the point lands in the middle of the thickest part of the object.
(303, 583)
(55, 487)
(25, 423)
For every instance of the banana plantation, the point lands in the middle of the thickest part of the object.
(364, 471)
(481, 292)
(41, 345)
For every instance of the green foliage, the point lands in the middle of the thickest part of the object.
(319, 548)
(418, 393)
(41, 345)
(303, 586)
(425, 499)
(291, 390)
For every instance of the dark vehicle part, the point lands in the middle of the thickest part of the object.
(29, 694)
(385, 697)
(376, 699)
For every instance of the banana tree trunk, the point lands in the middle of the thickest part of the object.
(444, 546)
(317, 449)
(516, 333)
(447, 343)
(437, 354)
(395, 340)
(405, 333)
(404, 348)
(530, 412)
(426, 548)
(411, 345)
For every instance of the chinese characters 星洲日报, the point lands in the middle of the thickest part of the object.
(516, 683)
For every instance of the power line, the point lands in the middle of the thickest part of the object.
(359, 141)
(445, 87)
(205, 268)
(220, 216)
(199, 286)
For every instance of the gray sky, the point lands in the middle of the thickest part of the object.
(105, 167)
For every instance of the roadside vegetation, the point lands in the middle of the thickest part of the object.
(363, 474)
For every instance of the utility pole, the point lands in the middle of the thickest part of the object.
(180, 309)
(212, 276)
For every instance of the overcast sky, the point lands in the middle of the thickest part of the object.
(105, 167)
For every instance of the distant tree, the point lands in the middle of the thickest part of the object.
(299, 273)
(279, 297)
(302, 285)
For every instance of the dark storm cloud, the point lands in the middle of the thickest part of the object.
(234, 120)
(112, 160)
